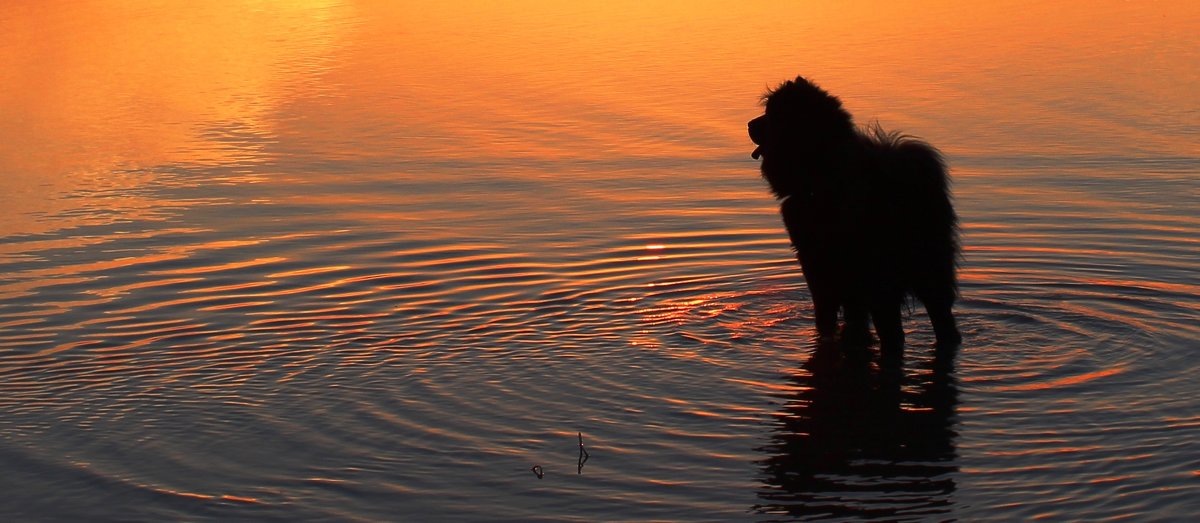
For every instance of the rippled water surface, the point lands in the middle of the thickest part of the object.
(338, 260)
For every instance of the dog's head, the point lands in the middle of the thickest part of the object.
(799, 118)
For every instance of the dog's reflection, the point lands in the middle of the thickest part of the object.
(854, 442)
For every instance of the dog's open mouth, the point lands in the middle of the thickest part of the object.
(757, 152)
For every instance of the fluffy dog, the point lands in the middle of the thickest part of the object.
(869, 214)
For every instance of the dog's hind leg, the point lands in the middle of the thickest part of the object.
(945, 329)
(939, 304)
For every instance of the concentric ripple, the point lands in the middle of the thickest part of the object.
(243, 376)
(396, 261)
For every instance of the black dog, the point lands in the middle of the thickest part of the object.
(868, 212)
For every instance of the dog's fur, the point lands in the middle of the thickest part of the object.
(868, 212)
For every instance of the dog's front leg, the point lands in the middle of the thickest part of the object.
(825, 297)
(889, 326)
(825, 311)
(857, 330)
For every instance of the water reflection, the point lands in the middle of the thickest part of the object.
(103, 101)
(320, 253)
(850, 442)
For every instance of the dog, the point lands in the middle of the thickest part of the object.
(869, 214)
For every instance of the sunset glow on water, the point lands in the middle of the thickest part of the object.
(373, 260)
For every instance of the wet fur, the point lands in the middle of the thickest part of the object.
(869, 214)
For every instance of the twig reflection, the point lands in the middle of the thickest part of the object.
(583, 455)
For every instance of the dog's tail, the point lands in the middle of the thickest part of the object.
(919, 178)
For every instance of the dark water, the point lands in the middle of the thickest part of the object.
(368, 262)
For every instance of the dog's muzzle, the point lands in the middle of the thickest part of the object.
(758, 134)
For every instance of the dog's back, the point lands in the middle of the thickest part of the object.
(913, 180)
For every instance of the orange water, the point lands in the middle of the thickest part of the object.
(375, 260)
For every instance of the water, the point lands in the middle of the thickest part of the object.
(340, 260)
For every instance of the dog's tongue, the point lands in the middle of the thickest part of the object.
(757, 152)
